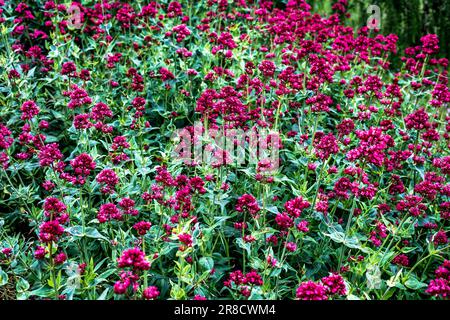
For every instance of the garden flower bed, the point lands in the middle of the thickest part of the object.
(219, 150)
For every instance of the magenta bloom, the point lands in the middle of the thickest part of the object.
(78, 97)
(69, 68)
(135, 259)
(267, 68)
(50, 231)
(291, 246)
(284, 220)
(372, 146)
(48, 154)
(151, 292)
(430, 44)
(5, 140)
(101, 111)
(418, 120)
(296, 206)
(326, 146)
(439, 287)
(142, 227)
(55, 209)
(401, 260)
(60, 258)
(440, 238)
(39, 253)
(127, 206)
(109, 178)
(185, 238)
(253, 278)
(127, 279)
(82, 165)
(166, 74)
(247, 202)
(334, 284)
(29, 110)
(107, 212)
(6, 251)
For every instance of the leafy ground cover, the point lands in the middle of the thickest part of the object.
(96, 203)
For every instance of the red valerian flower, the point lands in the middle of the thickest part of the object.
(334, 284)
(127, 206)
(60, 258)
(185, 238)
(418, 120)
(372, 146)
(78, 97)
(82, 121)
(295, 207)
(39, 253)
(248, 203)
(50, 231)
(6, 251)
(109, 178)
(291, 246)
(166, 74)
(326, 146)
(48, 154)
(69, 68)
(101, 111)
(5, 140)
(311, 291)
(150, 293)
(142, 227)
(401, 260)
(267, 68)
(284, 220)
(439, 287)
(253, 278)
(440, 238)
(82, 166)
(182, 31)
(108, 212)
(55, 209)
(430, 44)
(127, 279)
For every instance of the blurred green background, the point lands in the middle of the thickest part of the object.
(409, 19)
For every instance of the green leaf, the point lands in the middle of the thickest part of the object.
(90, 232)
(42, 292)
(244, 245)
(22, 285)
(94, 233)
(103, 295)
(76, 231)
(336, 233)
(177, 292)
(373, 276)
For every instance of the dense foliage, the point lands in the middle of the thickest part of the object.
(95, 204)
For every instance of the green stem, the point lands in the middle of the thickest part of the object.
(52, 271)
(347, 228)
(146, 271)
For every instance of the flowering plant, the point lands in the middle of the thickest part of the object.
(96, 204)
